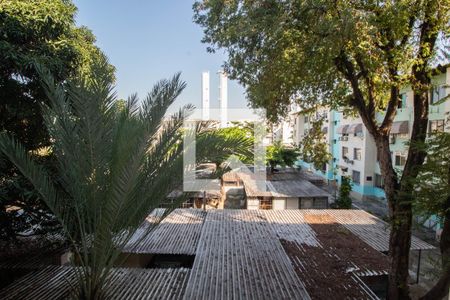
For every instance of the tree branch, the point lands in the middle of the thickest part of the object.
(345, 66)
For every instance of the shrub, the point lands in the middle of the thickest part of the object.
(344, 200)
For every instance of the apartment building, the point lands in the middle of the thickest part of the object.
(353, 148)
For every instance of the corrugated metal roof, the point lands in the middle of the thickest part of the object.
(323, 282)
(55, 283)
(230, 176)
(239, 254)
(294, 188)
(240, 257)
(36, 261)
(290, 225)
(178, 233)
(371, 229)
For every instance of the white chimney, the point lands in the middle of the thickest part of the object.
(223, 92)
(205, 95)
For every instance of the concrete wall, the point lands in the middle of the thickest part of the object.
(279, 204)
(252, 203)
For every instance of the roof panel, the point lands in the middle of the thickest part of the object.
(342, 129)
(355, 128)
(239, 257)
(56, 283)
(178, 233)
(400, 127)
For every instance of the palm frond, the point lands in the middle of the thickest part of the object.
(114, 165)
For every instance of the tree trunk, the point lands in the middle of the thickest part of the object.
(400, 212)
(399, 247)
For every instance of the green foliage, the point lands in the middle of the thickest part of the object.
(344, 200)
(35, 31)
(113, 166)
(245, 133)
(278, 154)
(308, 50)
(43, 32)
(432, 185)
(314, 147)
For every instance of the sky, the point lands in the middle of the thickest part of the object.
(150, 40)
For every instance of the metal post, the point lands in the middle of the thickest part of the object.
(418, 267)
(204, 200)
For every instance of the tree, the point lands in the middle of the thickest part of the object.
(432, 191)
(344, 200)
(313, 146)
(243, 132)
(113, 166)
(278, 154)
(340, 54)
(42, 31)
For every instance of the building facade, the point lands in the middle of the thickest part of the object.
(353, 148)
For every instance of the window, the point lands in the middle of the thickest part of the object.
(265, 203)
(320, 203)
(437, 93)
(306, 203)
(402, 101)
(436, 126)
(357, 154)
(400, 159)
(324, 167)
(356, 177)
(306, 119)
(379, 181)
(344, 152)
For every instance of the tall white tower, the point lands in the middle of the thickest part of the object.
(223, 98)
(205, 95)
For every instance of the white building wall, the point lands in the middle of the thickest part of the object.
(278, 204)
(287, 133)
(252, 203)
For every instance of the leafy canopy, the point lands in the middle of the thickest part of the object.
(432, 185)
(305, 51)
(314, 147)
(278, 154)
(39, 31)
(31, 31)
(245, 132)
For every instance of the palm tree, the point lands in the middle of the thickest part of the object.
(113, 165)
